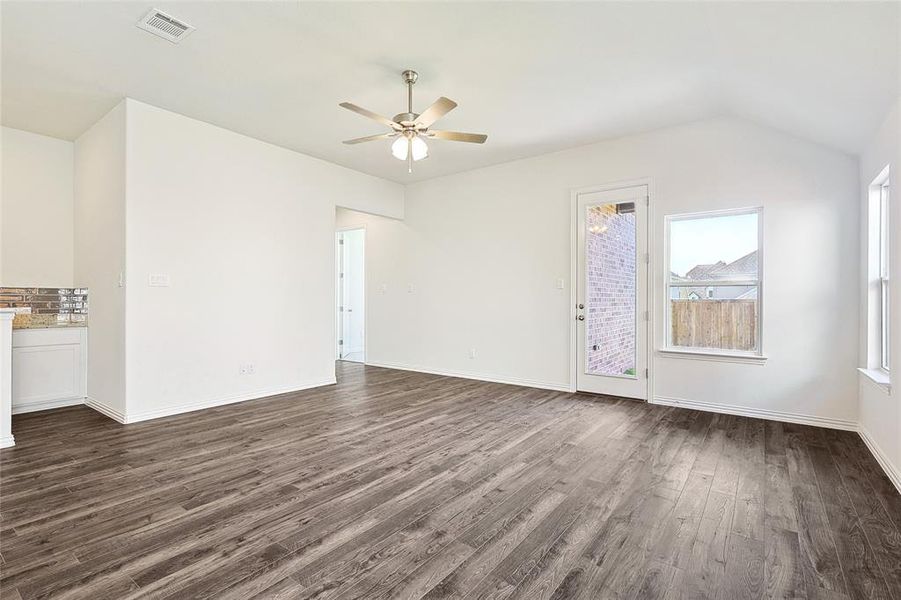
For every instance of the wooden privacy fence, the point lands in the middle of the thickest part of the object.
(727, 324)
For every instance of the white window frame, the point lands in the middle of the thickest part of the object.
(884, 362)
(876, 287)
(712, 353)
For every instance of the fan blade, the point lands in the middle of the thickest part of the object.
(438, 109)
(457, 136)
(369, 138)
(368, 113)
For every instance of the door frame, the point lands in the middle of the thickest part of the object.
(574, 275)
(365, 294)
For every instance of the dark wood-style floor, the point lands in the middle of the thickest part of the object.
(405, 485)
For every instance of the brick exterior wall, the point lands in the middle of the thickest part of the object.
(610, 314)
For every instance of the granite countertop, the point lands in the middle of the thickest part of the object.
(32, 321)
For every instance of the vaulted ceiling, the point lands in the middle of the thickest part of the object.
(537, 77)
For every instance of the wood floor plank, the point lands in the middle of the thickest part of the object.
(877, 523)
(819, 555)
(744, 576)
(784, 577)
(863, 575)
(396, 484)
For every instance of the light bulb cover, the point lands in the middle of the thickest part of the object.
(402, 144)
(420, 148)
(399, 148)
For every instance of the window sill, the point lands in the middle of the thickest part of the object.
(748, 359)
(879, 378)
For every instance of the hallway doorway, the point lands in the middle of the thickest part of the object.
(350, 294)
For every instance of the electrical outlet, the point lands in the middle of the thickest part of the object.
(472, 353)
(158, 280)
(247, 369)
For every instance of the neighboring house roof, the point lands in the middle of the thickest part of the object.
(704, 271)
(721, 271)
(746, 265)
(751, 294)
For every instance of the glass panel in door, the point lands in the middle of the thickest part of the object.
(610, 291)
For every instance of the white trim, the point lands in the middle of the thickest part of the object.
(750, 359)
(877, 377)
(213, 403)
(7, 441)
(532, 383)
(105, 410)
(725, 212)
(893, 473)
(46, 405)
(688, 283)
(759, 413)
(574, 194)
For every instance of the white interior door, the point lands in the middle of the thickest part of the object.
(612, 291)
(351, 300)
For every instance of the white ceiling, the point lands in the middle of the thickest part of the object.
(536, 77)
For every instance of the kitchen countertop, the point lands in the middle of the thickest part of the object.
(32, 321)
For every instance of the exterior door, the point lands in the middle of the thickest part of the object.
(612, 291)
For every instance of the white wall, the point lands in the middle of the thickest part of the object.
(483, 251)
(246, 233)
(37, 203)
(99, 233)
(880, 413)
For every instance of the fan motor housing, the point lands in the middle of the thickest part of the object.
(406, 119)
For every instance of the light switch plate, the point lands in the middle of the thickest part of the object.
(159, 280)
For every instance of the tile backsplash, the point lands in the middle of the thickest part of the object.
(60, 305)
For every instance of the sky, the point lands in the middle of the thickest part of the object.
(707, 240)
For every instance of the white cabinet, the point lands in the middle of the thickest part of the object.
(48, 368)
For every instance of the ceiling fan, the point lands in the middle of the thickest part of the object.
(411, 129)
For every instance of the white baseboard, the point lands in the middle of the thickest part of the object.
(7, 441)
(893, 472)
(103, 409)
(544, 385)
(758, 413)
(46, 405)
(255, 395)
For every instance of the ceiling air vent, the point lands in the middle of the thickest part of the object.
(166, 26)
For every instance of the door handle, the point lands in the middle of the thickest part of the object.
(581, 317)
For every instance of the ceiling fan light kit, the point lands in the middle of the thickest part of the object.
(411, 128)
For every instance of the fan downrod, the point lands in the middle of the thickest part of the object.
(406, 119)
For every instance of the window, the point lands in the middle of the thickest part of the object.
(713, 282)
(882, 269)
